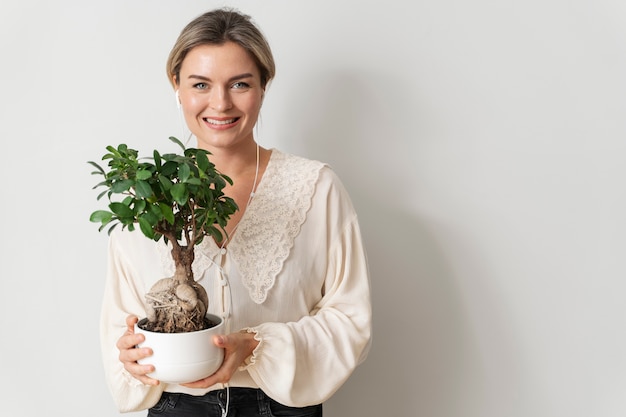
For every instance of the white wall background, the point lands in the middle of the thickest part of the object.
(483, 142)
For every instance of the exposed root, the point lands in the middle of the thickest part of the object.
(176, 307)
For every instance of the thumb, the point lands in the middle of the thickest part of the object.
(130, 323)
(220, 340)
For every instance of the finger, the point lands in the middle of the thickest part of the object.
(130, 323)
(137, 369)
(216, 378)
(147, 380)
(129, 341)
(202, 383)
(221, 376)
(134, 355)
(140, 372)
(221, 341)
(233, 357)
(129, 359)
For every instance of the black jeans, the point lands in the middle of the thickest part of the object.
(242, 402)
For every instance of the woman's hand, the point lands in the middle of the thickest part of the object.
(237, 347)
(130, 354)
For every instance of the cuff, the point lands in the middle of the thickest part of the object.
(251, 360)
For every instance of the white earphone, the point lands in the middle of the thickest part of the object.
(178, 103)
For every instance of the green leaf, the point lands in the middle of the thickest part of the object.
(139, 206)
(194, 181)
(121, 209)
(143, 189)
(111, 228)
(217, 235)
(101, 216)
(179, 193)
(100, 184)
(169, 168)
(176, 141)
(121, 186)
(184, 172)
(154, 212)
(143, 174)
(203, 161)
(157, 159)
(166, 184)
(98, 167)
(167, 212)
(102, 194)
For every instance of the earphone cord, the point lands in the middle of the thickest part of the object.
(256, 177)
(224, 280)
(225, 283)
(225, 277)
(181, 118)
(225, 409)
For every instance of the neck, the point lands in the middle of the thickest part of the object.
(235, 162)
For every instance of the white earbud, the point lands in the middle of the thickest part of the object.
(178, 103)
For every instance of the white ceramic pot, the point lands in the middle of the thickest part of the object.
(183, 357)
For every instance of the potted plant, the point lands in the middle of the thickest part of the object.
(178, 198)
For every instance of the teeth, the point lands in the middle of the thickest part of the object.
(220, 122)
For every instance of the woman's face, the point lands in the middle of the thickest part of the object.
(220, 94)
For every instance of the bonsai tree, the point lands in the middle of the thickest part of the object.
(177, 198)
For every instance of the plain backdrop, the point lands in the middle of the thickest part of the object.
(483, 143)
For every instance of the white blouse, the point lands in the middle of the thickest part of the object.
(297, 276)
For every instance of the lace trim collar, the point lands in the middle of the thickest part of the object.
(268, 228)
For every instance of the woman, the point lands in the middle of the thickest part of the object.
(293, 261)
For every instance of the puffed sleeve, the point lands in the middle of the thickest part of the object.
(304, 362)
(121, 298)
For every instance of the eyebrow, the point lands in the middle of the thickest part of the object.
(231, 79)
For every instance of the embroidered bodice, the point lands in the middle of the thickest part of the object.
(268, 228)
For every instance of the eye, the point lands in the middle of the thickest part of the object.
(240, 85)
(201, 86)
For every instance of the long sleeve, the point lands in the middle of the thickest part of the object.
(123, 296)
(304, 362)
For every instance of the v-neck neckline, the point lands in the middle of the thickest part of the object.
(259, 188)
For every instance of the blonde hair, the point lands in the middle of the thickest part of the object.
(217, 27)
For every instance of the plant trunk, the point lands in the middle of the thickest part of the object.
(183, 259)
(177, 304)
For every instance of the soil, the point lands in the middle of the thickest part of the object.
(144, 324)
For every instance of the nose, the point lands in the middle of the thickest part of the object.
(219, 99)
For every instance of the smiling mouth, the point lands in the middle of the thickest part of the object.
(221, 122)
